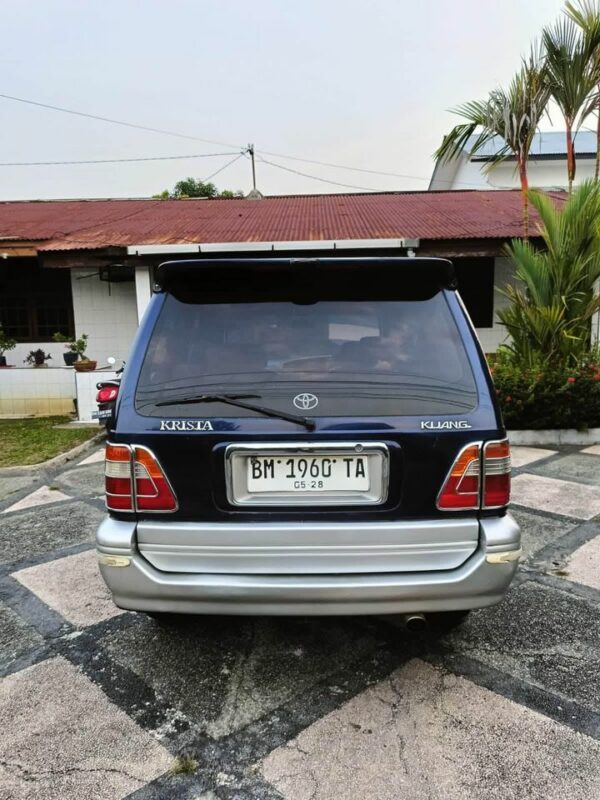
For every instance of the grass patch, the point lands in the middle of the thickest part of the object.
(184, 765)
(29, 441)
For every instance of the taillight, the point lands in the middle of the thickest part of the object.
(153, 491)
(117, 478)
(465, 487)
(107, 394)
(496, 474)
(134, 480)
(461, 487)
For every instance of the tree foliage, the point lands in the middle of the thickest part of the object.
(511, 113)
(572, 76)
(551, 308)
(192, 187)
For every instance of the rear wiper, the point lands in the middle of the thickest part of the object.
(235, 400)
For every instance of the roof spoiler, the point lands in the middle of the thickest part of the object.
(436, 272)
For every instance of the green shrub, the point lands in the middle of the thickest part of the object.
(548, 396)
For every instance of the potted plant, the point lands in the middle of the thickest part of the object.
(37, 358)
(6, 343)
(71, 355)
(79, 346)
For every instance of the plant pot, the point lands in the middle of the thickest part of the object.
(85, 366)
(70, 358)
(2, 361)
(41, 365)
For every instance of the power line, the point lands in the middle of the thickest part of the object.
(228, 164)
(109, 160)
(117, 121)
(193, 138)
(211, 141)
(343, 166)
(315, 177)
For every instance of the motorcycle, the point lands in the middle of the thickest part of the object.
(107, 394)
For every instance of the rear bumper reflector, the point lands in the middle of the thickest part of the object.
(504, 558)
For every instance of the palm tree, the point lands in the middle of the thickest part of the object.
(573, 74)
(586, 15)
(513, 114)
(550, 311)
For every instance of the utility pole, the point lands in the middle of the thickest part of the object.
(250, 152)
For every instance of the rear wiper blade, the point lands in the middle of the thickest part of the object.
(235, 400)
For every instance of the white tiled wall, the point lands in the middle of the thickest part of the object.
(86, 392)
(37, 391)
(106, 312)
(490, 338)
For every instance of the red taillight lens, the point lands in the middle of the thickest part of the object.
(107, 394)
(117, 478)
(461, 488)
(152, 489)
(134, 480)
(496, 474)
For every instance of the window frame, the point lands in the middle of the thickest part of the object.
(29, 286)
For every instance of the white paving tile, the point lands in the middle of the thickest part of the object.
(40, 497)
(594, 450)
(96, 456)
(72, 586)
(63, 740)
(521, 456)
(551, 494)
(423, 734)
(584, 564)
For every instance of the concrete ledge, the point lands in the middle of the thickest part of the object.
(555, 437)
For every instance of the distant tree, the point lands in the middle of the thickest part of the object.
(572, 76)
(191, 187)
(511, 114)
(586, 14)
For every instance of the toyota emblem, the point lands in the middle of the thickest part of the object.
(306, 401)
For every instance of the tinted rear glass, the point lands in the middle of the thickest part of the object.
(359, 357)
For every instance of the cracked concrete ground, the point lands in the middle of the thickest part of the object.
(99, 703)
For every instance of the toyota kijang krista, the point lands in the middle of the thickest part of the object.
(307, 436)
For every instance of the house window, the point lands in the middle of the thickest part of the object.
(35, 303)
(476, 286)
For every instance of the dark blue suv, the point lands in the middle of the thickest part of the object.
(307, 436)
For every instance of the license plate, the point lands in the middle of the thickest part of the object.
(310, 473)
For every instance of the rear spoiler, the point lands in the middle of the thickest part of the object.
(437, 273)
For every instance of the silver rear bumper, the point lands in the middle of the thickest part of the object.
(138, 586)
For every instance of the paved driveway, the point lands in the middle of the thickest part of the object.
(97, 703)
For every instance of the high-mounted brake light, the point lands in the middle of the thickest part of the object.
(107, 394)
(496, 474)
(135, 481)
(461, 487)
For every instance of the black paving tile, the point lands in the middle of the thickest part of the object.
(542, 635)
(222, 673)
(39, 530)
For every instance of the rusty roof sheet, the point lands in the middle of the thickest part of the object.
(91, 224)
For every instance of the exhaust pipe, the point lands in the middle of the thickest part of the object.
(415, 623)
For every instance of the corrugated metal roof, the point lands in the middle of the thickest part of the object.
(87, 224)
(545, 143)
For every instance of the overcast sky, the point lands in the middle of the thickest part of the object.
(364, 83)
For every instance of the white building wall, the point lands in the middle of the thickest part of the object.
(106, 312)
(17, 356)
(541, 175)
(490, 338)
(143, 290)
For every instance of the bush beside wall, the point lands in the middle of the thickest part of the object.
(548, 396)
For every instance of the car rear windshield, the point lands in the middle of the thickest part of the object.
(359, 357)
